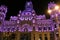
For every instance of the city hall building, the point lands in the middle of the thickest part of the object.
(29, 26)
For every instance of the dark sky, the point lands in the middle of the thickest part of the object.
(14, 6)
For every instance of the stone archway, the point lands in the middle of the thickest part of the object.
(12, 36)
(25, 36)
(25, 27)
(25, 30)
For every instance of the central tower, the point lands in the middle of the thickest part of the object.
(26, 16)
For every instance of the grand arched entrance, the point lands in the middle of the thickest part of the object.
(25, 36)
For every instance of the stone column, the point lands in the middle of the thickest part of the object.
(17, 36)
(32, 35)
(48, 36)
(42, 36)
(36, 36)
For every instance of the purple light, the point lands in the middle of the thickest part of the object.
(21, 18)
(3, 8)
(33, 21)
(27, 15)
(26, 18)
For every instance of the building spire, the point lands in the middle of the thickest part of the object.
(29, 5)
(3, 8)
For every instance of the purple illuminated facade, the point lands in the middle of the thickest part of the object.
(29, 26)
(26, 20)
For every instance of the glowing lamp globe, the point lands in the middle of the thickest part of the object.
(56, 7)
(49, 11)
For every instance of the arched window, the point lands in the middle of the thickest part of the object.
(25, 27)
(25, 30)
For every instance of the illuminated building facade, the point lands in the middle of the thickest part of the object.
(29, 26)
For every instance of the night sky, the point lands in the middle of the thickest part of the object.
(40, 6)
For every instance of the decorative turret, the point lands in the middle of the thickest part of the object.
(53, 9)
(28, 13)
(3, 11)
(28, 5)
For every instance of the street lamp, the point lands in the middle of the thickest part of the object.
(49, 11)
(56, 7)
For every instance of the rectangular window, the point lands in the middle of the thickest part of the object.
(39, 28)
(45, 28)
(55, 26)
(50, 28)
